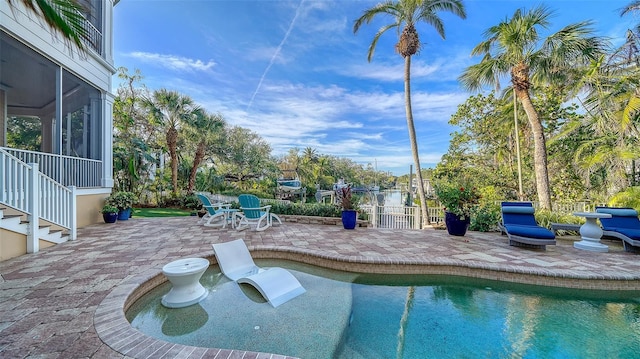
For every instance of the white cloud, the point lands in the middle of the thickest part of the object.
(173, 62)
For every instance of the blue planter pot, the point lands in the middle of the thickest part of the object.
(455, 225)
(124, 214)
(110, 217)
(349, 218)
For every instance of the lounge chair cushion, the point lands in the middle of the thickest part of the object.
(618, 212)
(529, 231)
(622, 219)
(518, 209)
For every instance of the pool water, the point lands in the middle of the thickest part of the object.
(348, 315)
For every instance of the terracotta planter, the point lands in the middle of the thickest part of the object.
(455, 225)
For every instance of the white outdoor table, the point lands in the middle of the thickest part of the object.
(591, 232)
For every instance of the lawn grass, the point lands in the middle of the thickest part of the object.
(160, 212)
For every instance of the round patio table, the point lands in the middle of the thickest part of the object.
(591, 232)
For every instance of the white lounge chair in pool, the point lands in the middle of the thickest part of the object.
(277, 285)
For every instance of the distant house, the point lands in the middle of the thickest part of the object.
(55, 127)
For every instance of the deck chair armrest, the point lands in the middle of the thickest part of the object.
(221, 205)
(263, 208)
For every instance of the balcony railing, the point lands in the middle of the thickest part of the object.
(93, 37)
(67, 170)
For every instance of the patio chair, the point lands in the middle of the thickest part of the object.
(623, 224)
(253, 214)
(519, 223)
(277, 285)
(218, 214)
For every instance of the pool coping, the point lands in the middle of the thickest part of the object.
(115, 330)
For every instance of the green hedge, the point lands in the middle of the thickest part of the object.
(306, 209)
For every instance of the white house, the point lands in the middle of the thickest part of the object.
(55, 127)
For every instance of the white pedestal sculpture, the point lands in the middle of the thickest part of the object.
(184, 275)
(591, 232)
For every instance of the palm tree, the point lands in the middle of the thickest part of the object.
(406, 15)
(63, 16)
(513, 47)
(205, 129)
(169, 109)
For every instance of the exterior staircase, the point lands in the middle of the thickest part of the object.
(14, 225)
(33, 206)
(17, 223)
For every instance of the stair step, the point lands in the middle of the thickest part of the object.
(56, 236)
(13, 222)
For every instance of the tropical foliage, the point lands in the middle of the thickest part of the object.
(208, 154)
(345, 198)
(515, 48)
(591, 140)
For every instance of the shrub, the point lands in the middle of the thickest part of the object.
(544, 217)
(190, 201)
(485, 218)
(107, 208)
(306, 209)
(121, 200)
(630, 197)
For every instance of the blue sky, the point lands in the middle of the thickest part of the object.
(294, 72)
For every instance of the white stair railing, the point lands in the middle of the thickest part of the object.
(25, 188)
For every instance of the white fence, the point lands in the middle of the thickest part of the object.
(25, 188)
(400, 217)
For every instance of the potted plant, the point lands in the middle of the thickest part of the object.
(458, 201)
(349, 213)
(123, 201)
(109, 213)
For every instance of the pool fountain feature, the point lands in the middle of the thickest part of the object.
(184, 275)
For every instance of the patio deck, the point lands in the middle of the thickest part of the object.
(54, 303)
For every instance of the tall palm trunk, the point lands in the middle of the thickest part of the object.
(540, 151)
(413, 140)
(172, 141)
(521, 85)
(196, 163)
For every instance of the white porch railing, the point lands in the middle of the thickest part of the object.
(67, 170)
(25, 188)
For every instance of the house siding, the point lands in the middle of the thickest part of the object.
(97, 70)
(29, 29)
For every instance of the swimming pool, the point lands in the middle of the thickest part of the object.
(348, 315)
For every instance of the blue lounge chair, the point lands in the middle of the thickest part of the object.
(623, 224)
(254, 214)
(520, 225)
(217, 215)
